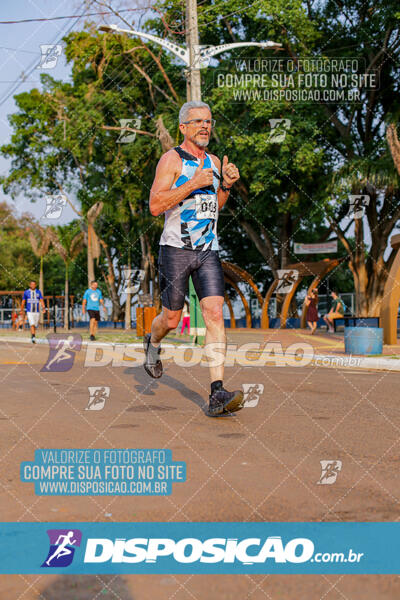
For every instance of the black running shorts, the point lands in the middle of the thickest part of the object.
(94, 314)
(176, 265)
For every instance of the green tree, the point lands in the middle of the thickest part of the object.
(68, 240)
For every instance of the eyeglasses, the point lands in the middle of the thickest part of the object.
(199, 122)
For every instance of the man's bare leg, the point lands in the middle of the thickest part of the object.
(161, 325)
(165, 322)
(92, 326)
(221, 401)
(211, 307)
(328, 322)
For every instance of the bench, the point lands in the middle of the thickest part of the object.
(354, 321)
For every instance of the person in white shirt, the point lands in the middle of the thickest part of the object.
(33, 299)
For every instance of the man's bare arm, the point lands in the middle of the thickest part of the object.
(221, 195)
(162, 197)
(229, 174)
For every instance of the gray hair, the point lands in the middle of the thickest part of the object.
(185, 108)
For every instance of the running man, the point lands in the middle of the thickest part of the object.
(189, 189)
(62, 353)
(62, 547)
(92, 299)
(33, 299)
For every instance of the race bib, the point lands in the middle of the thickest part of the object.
(206, 206)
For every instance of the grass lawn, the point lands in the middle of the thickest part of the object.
(103, 335)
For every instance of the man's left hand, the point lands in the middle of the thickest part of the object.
(230, 173)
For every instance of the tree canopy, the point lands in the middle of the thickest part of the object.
(67, 137)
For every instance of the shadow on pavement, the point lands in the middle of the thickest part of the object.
(146, 386)
(87, 587)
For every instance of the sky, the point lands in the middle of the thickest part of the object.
(20, 57)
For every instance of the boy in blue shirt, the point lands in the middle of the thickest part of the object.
(92, 299)
(33, 299)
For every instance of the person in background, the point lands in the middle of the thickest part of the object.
(14, 318)
(312, 310)
(336, 312)
(20, 320)
(92, 299)
(33, 300)
(185, 317)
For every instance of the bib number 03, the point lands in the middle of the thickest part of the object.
(206, 206)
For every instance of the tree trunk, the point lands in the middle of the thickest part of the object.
(41, 288)
(66, 299)
(286, 235)
(128, 303)
(90, 259)
(110, 282)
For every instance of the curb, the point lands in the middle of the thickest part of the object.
(319, 360)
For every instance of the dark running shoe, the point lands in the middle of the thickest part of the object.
(223, 402)
(152, 364)
(92, 338)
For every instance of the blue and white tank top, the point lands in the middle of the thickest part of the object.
(192, 223)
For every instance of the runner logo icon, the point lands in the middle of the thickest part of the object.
(252, 393)
(62, 547)
(62, 350)
(97, 397)
(330, 470)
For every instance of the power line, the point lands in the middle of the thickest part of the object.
(18, 50)
(32, 67)
(70, 16)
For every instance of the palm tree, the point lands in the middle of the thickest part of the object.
(69, 241)
(40, 239)
(394, 144)
(93, 244)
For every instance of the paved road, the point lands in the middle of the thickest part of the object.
(262, 464)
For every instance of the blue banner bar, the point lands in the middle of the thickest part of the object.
(200, 548)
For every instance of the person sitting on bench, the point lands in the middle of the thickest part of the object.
(336, 311)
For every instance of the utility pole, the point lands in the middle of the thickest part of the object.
(193, 92)
(193, 82)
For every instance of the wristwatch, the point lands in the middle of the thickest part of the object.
(223, 188)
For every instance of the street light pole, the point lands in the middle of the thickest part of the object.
(193, 82)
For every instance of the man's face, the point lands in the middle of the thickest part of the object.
(94, 286)
(32, 285)
(199, 134)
